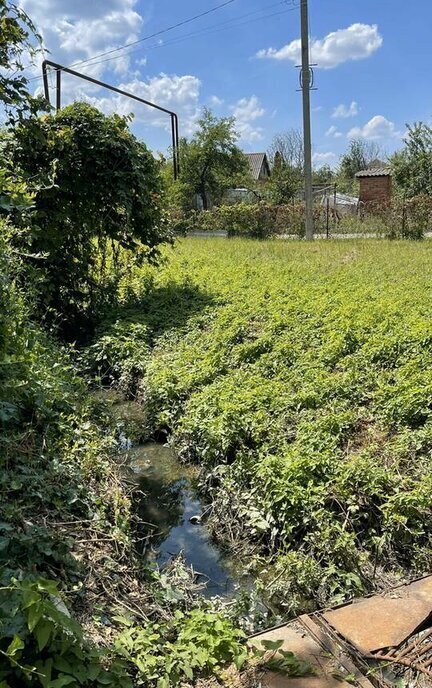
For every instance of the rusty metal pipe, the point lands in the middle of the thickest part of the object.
(61, 68)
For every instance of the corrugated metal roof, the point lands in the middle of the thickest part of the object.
(375, 172)
(256, 161)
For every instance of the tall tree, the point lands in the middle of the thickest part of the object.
(412, 166)
(358, 157)
(211, 162)
(18, 39)
(323, 175)
(289, 145)
(286, 156)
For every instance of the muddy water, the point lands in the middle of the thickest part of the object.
(167, 501)
(169, 508)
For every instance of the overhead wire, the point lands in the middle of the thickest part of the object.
(205, 30)
(153, 35)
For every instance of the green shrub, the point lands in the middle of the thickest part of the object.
(202, 643)
(99, 188)
(41, 645)
(400, 219)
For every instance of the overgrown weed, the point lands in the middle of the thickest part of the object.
(272, 388)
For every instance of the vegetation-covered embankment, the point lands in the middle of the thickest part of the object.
(299, 377)
(77, 606)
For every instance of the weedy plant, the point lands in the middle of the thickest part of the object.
(302, 387)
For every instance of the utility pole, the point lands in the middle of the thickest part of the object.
(307, 143)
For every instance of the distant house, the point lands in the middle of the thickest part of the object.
(260, 171)
(259, 166)
(375, 183)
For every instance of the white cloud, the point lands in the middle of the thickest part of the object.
(246, 111)
(214, 101)
(320, 159)
(179, 94)
(334, 132)
(77, 30)
(377, 128)
(344, 111)
(356, 42)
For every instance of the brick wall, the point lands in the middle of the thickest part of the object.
(375, 189)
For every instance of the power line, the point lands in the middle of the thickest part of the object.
(153, 35)
(204, 31)
(211, 29)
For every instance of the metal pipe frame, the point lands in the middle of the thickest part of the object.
(61, 68)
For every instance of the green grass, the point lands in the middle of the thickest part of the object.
(300, 377)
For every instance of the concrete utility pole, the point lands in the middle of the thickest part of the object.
(305, 84)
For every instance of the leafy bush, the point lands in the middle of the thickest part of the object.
(42, 645)
(54, 466)
(258, 221)
(202, 643)
(105, 193)
(400, 219)
(120, 355)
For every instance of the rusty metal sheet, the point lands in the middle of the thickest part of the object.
(305, 647)
(342, 658)
(421, 588)
(380, 622)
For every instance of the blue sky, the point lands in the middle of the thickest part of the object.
(241, 61)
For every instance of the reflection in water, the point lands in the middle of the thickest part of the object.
(168, 502)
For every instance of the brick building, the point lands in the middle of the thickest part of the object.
(375, 185)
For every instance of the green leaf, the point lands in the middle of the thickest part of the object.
(42, 632)
(62, 681)
(34, 615)
(4, 543)
(15, 646)
(272, 644)
(105, 679)
(187, 670)
(29, 598)
(239, 660)
(93, 671)
(61, 664)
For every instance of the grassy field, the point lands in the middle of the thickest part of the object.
(300, 377)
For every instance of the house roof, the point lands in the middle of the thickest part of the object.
(256, 161)
(375, 172)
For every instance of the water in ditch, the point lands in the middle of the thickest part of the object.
(173, 514)
(170, 508)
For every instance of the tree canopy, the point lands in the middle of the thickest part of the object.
(210, 162)
(412, 166)
(97, 184)
(286, 156)
(18, 38)
(358, 157)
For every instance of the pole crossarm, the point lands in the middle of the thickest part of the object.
(61, 68)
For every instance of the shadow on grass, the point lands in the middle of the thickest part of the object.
(165, 308)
